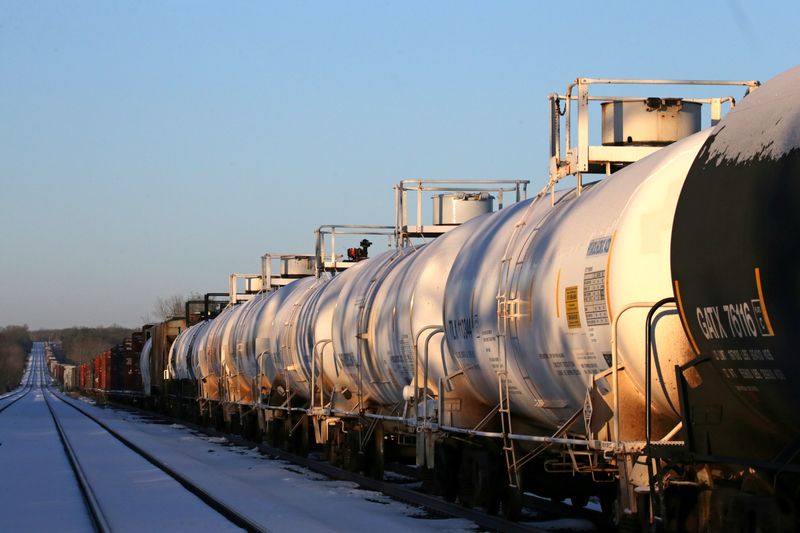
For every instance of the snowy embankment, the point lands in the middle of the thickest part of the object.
(276, 494)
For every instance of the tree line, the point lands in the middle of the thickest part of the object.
(78, 344)
(81, 344)
(15, 344)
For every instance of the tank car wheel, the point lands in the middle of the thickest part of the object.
(448, 459)
(467, 478)
(375, 454)
(512, 504)
(351, 458)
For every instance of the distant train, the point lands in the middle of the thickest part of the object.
(630, 339)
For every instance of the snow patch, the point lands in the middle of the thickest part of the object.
(766, 125)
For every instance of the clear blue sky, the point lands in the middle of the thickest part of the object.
(151, 148)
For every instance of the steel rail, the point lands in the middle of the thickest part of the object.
(232, 515)
(27, 388)
(413, 497)
(99, 520)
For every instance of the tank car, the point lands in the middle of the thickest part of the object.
(734, 263)
(631, 336)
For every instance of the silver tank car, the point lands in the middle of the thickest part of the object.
(538, 287)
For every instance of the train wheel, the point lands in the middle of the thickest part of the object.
(375, 454)
(448, 459)
(467, 478)
(353, 458)
(478, 479)
(512, 504)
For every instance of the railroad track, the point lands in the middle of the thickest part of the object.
(394, 489)
(93, 498)
(92, 502)
(36, 368)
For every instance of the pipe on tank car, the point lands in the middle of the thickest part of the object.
(314, 374)
(649, 396)
(437, 329)
(615, 360)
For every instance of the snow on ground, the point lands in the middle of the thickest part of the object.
(134, 495)
(38, 491)
(277, 494)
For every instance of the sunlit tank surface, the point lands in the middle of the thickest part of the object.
(320, 315)
(560, 274)
(735, 264)
(144, 366)
(227, 350)
(410, 304)
(180, 354)
(199, 346)
(243, 349)
(208, 357)
(284, 367)
(299, 341)
(267, 329)
(351, 322)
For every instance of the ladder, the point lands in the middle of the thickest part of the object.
(509, 450)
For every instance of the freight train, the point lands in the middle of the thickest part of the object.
(629, 338)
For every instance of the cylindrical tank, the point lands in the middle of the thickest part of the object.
(735, 264)
(409, 307)
(266, 328)
(227, 351)
(288, 366)
(650, 121)
(539, 285)
(144, 366)
(244, 356)
(208, 357)
(319, 316)
(457, 208)
(303, 336)
(180, 354)
(198, 348)
(350, 328)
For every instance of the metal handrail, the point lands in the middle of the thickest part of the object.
(341, 229)
(266, 267)
(517, 186)
(579, 155)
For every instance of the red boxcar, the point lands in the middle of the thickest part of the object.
(102, 371)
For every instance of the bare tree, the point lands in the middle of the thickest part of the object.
(173, 305)
(169, 307)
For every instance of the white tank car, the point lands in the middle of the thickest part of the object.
(350, 331)
(319, 316)
(243, 349)
(180, 354)
(266, 327)
(302, 336)
(537, 289)
(226, 350)
(144, 366)
(408, 307)
(198, 348)
(208, 357)
(289, 365)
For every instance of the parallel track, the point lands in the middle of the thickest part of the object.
(25, 389)
(93, 506)
(393, 490)
(231, 514)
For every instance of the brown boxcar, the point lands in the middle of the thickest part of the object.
(162, 336)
